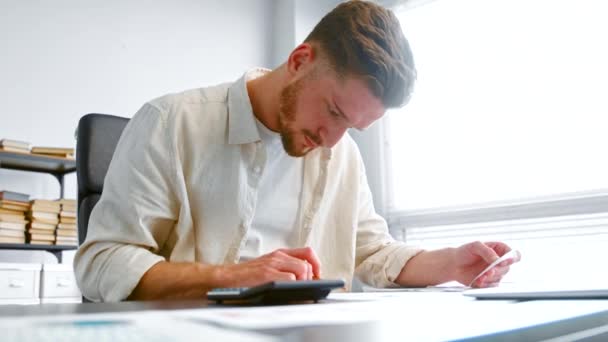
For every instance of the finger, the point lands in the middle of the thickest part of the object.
(309, 274)
(284, 276)
(499, 272)
(487, 280)
(308, 254)
(507, 262)
(492, 280)
(479, 282)
(296, 267)
(516, 257)
(483, 279)
(262, 276)
(485, 252)
(286, 263)
(489, 284)
(499, 247)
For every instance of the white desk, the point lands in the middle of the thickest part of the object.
(385, 316)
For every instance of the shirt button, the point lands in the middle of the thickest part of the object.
(257, 169)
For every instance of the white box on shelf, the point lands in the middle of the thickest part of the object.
(19, 283)
(27, 256)
(58, 284)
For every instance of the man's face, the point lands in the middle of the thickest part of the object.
(316, 110)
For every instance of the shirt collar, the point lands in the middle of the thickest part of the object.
(242, 128)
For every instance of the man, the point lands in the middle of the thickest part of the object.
(245, 183)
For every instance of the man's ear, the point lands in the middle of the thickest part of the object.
(300, 59)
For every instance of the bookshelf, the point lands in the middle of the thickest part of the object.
(58, 167)
(55, 166)
(53, 249)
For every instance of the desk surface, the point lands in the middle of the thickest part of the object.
(355, 317)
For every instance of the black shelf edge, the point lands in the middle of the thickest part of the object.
(36, 163)
(27, 246)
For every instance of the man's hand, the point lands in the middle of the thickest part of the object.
(192, 280)
(472, 258)
(282, 264)
(462, 264)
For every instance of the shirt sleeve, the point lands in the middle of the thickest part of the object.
(379, 257)
(135, 214)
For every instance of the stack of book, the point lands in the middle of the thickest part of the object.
(14, 146)
(13, 206)
(67, 232)
(44, 217)
(61, 152)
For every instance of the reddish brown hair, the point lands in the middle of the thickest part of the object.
(365, 40)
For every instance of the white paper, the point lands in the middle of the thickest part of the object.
(394, 316)
(149, 326)
(456, 288)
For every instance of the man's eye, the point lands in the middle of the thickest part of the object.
(334, 113)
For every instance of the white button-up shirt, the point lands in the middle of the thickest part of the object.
(274, 221)
(182, 186)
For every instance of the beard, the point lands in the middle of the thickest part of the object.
(287, 118)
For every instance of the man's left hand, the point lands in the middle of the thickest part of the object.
(472, 258)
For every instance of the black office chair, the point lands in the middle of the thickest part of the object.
(97, 136)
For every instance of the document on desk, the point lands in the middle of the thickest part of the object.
(282, 316)
(451, 286)
(417, 289)
(148, 326)
(343, 308)
(402, 316)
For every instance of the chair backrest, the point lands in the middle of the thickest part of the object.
(97, 136)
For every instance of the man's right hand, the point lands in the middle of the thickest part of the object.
(282, 264)
(192, 280)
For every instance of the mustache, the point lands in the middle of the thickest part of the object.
(315, 138)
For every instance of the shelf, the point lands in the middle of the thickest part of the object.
(56, 166)
(53, 249)
(27, 246)
(36, 163)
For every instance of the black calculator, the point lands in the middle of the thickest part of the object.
(277, 291)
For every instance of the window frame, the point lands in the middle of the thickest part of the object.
(561, 204)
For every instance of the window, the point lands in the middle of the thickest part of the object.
(505, 136)
(509, 103)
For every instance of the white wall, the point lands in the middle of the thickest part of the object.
(283, 33)
(62, 59)
(308, 14)
(294, 19)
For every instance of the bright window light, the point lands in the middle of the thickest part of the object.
(510, 102)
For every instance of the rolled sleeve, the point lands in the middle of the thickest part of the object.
(135, 214)
(136, 261)
(379, 257)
